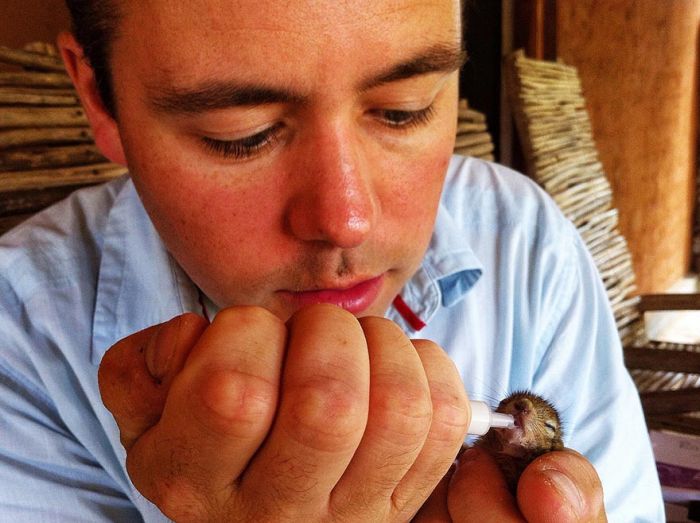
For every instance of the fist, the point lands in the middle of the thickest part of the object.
(249, 418)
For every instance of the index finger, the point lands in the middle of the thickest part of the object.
(478, 490)
(135, 374)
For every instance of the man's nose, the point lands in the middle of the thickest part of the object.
(336, 201)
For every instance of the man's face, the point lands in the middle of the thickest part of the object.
(290, 152)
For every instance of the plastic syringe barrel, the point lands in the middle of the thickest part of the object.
(483, 418)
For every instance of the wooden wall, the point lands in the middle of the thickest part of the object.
(23, 21)
(638, 65)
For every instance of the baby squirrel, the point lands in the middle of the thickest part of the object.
(537, 430)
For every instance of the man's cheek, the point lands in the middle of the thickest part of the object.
(417, 197)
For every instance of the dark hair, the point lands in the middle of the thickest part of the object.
(94, 24)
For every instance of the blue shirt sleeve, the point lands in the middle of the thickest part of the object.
(60, 454)
(46, 473)
(582, 368)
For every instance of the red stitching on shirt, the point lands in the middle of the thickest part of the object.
(411, 317)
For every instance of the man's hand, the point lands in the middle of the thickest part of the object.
(326, 417)
(559, 486)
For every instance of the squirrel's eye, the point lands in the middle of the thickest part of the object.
(550, 426)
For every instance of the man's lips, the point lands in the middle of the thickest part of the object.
(354, 299)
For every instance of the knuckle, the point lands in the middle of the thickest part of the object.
(234, 403)
(325, 413)
(402, 410)
(324, 310)
(127, 389)
(449, 422)
(176, 499)
(374, 322)
(190, 318)
(300, 480)
(447, 393)
(323, 317)
(247, 316)
(186, 321)
(171, 493)
(119, 362)
(428, 346)
(404, 500)
(171, 477)
(371, 324)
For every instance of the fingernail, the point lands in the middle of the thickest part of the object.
(158, 354)
(566, 488)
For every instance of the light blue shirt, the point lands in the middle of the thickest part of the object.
(506, 287)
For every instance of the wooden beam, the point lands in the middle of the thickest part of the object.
(35, 79)
(43, 136)
(534, 27)
(669, 302)
(49, 157)
(659, 359)
(22, 180)
(671, 401)
(32, 96)
(684, 424)
(41, 117)
(31, 59)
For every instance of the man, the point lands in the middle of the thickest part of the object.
(291, 179)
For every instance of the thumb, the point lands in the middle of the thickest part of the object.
(136, 372)
(561, 486)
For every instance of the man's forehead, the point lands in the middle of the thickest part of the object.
(180, 50)
(281, 15)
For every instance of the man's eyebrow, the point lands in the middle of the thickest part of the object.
(217, 94)
(211, 95)
(435, 59)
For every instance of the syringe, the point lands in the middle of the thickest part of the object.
(483, 418)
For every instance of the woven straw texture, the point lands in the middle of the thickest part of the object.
(46, 148)
(473, 137)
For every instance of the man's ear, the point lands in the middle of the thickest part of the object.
(104, 128)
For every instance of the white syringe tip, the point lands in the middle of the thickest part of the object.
(502, 421)
(483, 419)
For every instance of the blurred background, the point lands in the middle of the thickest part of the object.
(23, 21)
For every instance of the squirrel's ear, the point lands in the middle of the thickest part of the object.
(104, 127)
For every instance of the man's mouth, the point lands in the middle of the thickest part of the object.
(354, 298)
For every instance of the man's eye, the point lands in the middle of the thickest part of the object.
(405, 119)
(244, 148)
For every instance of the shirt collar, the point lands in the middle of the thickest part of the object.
(140, 284)
(449, 269)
